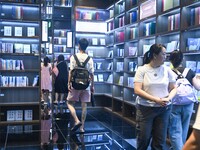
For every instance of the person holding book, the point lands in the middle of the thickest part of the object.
(154, 85)
(193, 141)
(83, 95)
(46, 82)
(181, 112)
(61, 79)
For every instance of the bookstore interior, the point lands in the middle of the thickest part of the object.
(119, 33)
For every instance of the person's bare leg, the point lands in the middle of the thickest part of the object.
(193, 141)
(56, 97)
(83, 115)
(72, 110)
(62, 97)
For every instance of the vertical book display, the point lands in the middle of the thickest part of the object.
(133, 26)
(20, 70)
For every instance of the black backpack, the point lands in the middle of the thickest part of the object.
(80, 75)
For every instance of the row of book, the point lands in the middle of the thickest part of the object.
(193, 44)
(121, 21)
(14, 81)
(11, 64)
(130, 82)
(149, 28)
(19, 129)
(88, 15)
(133, 33)
(133, 16)
(195, 16)
(120, 8)
(19, 48)
(174, 22)
(19, 31)
(27, 1)
(120, 36)
(168, 4)
(19, 115)
(98, 66)
(111, 25)
(99, 78)
(95, 41)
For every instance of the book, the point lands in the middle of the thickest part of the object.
(110, 54)
(10, 115)
(18, 115)
(192, 65)
(94, 41)
(99, 64)
(121, 80)
(7, 31)
(131, 82)
(102, 42)
(28, 128)
(28, 114)
(100, 77)
(35, 48)
(146, 48)
(27, 48)
(132, 51)
(95, 78)
(18, 31)
(18, 48)
(30, 31)
(110, 78)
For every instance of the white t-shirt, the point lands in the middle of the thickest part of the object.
(197, 121)
(82, 57)
(155, 82)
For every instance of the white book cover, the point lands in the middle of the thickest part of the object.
(7, 31)
(27, 48)
(146, 48)
(19, 48)
(99, 64)
(30, 31)
(18, 31)
(100, 77)
(102, 41)
(9, 47)
(131, 82)
(18, 129)
(35, 48)
(18, 115)
(110, 78)
(110, 54)
(121, 80)
(94, 41)
(95, 78)
(10, 115)
(132, 51)
(28, 114)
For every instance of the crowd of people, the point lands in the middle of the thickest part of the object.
(158, 114)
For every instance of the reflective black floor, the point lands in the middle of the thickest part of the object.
(103, 131)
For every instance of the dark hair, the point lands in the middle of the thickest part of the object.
(46, 61)
(176, 58)
(155, 49)
(61, 58)
(83, 43)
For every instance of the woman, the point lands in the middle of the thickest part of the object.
(61, 80)
(46, 82)
(181, 113)
(155, 86)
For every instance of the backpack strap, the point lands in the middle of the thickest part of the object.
(185, 72)
(78, 62)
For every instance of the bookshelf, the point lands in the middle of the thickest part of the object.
(88, 20)
(133, 26)
(20, 39)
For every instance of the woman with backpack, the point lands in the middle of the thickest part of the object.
(181, 111)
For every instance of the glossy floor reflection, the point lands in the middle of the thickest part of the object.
(103, 131)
